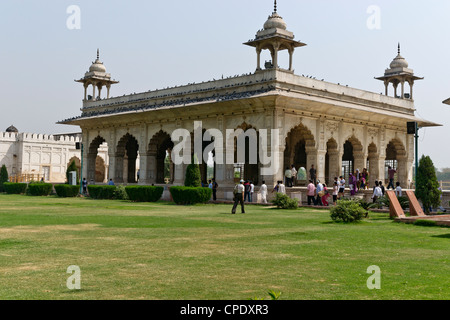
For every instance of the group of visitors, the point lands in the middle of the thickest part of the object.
(290, 176)
(358, 181)
(379, 190)
(249, 189)
(319, 194)
(244, 191)
(213, 185)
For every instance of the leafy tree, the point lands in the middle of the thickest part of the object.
(427, 184)
(4, 177)
(72, 167)
(193, 176)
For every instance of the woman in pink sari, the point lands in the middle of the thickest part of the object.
(325, 196)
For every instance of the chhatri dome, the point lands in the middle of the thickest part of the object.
(275, 21)
(399, 61)
(97, 78)
(97, 66)
(398, 75)
(274, 37)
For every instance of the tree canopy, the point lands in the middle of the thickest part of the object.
(427, 185)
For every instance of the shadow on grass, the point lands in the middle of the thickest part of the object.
(443, 236)
(342, 223)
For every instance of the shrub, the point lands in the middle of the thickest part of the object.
(101, 192)
(190, 195)
(347, 211)
(366, 205)
(15, 188)
(404, 202)
(120, 193)
(67, 191)
(283, 201)
(39, 189)
(425, 223)
(193, 177)
(144, 193)
(427, 185)
(3, 177)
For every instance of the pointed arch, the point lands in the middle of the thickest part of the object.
(92, 153)
(77, 164)
(395, 158)
(353, 156)
(160, 164)
(299, 142)
(246, 161)
(127, 153)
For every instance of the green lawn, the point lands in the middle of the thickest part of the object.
(163, 251)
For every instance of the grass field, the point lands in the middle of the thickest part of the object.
(162, 251)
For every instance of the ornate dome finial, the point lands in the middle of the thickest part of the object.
(399, 61)
(275, 20)
(97, 66)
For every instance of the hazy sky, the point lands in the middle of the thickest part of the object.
(148, 45)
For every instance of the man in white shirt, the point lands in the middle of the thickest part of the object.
(377, 193)
(252, 190)
(294, 176)
(263, 192)
(281, 188)
(239, 191)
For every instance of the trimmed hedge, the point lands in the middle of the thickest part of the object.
(144, 193)
(15, 188)
(102, 192)
(39, 189)
(67, 191)
(190, 195)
